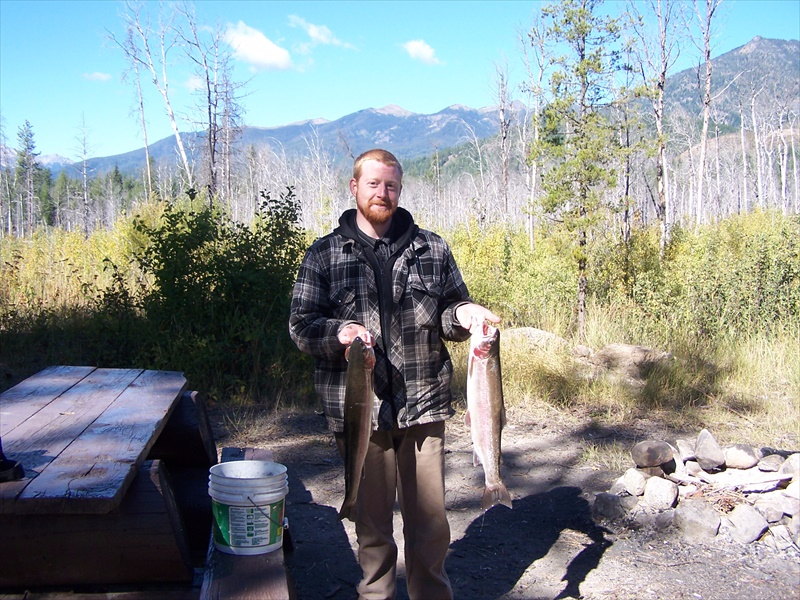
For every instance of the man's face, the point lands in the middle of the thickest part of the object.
(377, 191)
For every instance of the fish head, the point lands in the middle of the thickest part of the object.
(485, 340)
(362, 352)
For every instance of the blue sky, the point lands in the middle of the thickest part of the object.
(304, 60)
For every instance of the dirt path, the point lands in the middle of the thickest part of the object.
(548, 546)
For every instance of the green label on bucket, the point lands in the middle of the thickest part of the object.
(248, 526)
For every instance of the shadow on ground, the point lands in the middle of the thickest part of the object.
(510, 541)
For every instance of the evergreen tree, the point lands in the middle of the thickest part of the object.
(26, 177)
(577, 144)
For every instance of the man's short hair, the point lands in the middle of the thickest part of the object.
(382, 156)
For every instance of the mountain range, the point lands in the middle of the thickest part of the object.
(767, 62)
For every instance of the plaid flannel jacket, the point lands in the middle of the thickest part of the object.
(336, 285)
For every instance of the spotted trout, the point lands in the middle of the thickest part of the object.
(358, 399)
(486, 414)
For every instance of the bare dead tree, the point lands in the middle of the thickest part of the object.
(504, 116)
(657, 54)
(138, 48)
(705, 22)
(536, 59)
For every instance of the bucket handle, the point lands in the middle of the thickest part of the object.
(258, 508)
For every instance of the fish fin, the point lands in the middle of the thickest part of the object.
(476, 460)
(496, 495)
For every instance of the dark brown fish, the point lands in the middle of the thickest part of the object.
(486, 413)
(358, 401)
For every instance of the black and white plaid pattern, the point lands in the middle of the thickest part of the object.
(336, 285)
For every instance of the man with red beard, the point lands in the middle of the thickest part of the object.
(379, 277)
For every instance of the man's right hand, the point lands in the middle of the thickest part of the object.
(352, 331)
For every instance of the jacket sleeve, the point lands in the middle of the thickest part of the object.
(309, 326)
(454, 294)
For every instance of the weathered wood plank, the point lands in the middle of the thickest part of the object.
(258, 577)
(93, 473)
(140, 542)
(36, 442)
(34, 393)
(156, 593)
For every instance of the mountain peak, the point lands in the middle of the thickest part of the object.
(393, 110)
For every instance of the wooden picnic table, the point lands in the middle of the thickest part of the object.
(101, 449)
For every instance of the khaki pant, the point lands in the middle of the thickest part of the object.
(407, 464)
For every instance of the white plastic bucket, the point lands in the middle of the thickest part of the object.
(247, 498)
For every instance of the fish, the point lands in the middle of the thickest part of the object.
(358, 401)
(486, 413)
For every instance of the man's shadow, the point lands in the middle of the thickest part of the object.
(509, 541)
(319, 558)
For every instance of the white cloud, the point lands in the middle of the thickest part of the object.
(253, 47)
(319, 34)
(96, 76)
(194, 83)
(419, 50)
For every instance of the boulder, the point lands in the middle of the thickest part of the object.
(660, 494)
(609, 506)
(748, 523)
(634, 481)
(697, 520)
(771, 463)
(781, 536)
(791, 466)
(741, 456)
(633, 361)
(651, 453)
(708, 452)
(685, 449)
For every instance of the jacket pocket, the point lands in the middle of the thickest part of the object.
(425, 296)
(343, 302)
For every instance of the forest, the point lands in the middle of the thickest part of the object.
(604, 211)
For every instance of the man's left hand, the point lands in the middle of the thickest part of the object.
(469, 315)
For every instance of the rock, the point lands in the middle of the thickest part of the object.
(633, 482)
(651, 453)
(660, 494)
(582, 351)
(741, 456)
(748, 523)
(708, 452)
(685, 449)
(789, 506)
(791, 466)
(771, 463)
(664, 520)
(792, 490)
(618, 486)
(633, 361)
(794, 529)
(782, 537)
(770, 508)
(697, 520)
(608, 506)
(653, 471)
(693, 468)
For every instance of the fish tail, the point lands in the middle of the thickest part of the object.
(346, 512)
(496, 494)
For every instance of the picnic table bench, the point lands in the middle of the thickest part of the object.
(115, 479)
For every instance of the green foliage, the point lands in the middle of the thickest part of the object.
(219, 300)
(181, 289)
